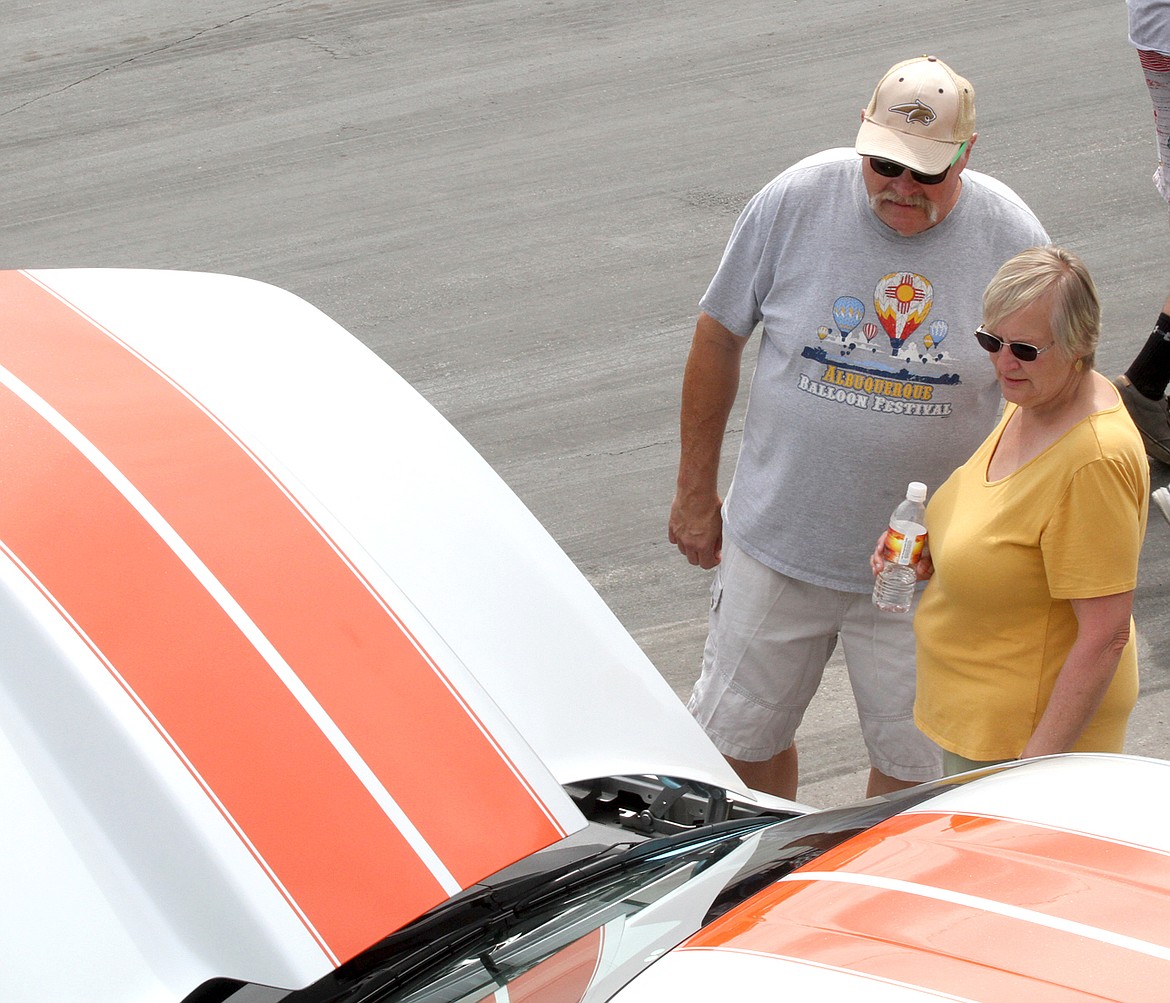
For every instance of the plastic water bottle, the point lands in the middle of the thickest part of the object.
(893, 590)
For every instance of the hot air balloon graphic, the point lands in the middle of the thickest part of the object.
(935, 334)
(847, 314)
(870, 330)
(902, 301)
(823, 332)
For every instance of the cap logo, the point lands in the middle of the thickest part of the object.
(915, 111)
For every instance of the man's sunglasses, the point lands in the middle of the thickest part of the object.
(1022, 351)
(891, 169)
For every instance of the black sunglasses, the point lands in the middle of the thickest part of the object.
(892, 169)
(889, 169)
(1022, 351)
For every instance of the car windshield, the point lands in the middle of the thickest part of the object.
(573, 925)
(597, 921)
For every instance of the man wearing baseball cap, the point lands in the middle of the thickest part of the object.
(921, 119)
(864, 271)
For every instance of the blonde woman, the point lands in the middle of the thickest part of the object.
(1024, 633)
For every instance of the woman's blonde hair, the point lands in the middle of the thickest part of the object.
(1031, 275)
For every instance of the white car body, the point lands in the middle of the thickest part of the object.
(286, 665)
(207, 471)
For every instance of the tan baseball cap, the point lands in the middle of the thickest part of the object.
(921, 112)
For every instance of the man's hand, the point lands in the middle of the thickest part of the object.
(696, 528)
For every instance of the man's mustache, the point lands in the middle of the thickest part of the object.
(914, 201)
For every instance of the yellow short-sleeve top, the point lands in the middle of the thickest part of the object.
(995, 623)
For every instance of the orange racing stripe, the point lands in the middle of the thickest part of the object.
(1067, 875)
(279, 782)
(947, 943)
(940, 946)
(326, 622)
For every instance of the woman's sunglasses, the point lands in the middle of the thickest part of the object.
(891, 169)
(1024, 352)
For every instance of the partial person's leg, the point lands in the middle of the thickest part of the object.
(1143, 386)
(882, 783)
(1156, 70)
(1143, 391)
(879, 654)
(1149, 373)
(768, 642)
(779, 775)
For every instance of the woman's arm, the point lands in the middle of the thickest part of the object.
(1102, 633)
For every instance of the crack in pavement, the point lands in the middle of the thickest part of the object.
(141, 55)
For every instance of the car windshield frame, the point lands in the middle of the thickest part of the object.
(483, 939)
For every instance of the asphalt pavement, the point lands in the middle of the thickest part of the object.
(518, 205)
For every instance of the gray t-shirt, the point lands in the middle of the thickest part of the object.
(868, 375)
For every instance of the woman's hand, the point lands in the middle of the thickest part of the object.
(877, 560)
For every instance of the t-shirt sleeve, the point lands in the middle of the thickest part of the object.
(1092, 543)
(733, 298)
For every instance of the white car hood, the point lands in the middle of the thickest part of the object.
(287, 663)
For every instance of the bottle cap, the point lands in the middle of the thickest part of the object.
(916, 491)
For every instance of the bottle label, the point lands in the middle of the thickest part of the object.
(904, 543)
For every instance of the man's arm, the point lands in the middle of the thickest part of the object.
(710, 385)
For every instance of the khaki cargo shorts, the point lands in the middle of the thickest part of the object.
(769, 640)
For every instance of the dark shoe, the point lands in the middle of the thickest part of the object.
(1151, 417)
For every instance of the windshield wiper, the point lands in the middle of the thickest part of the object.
(480, 918)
